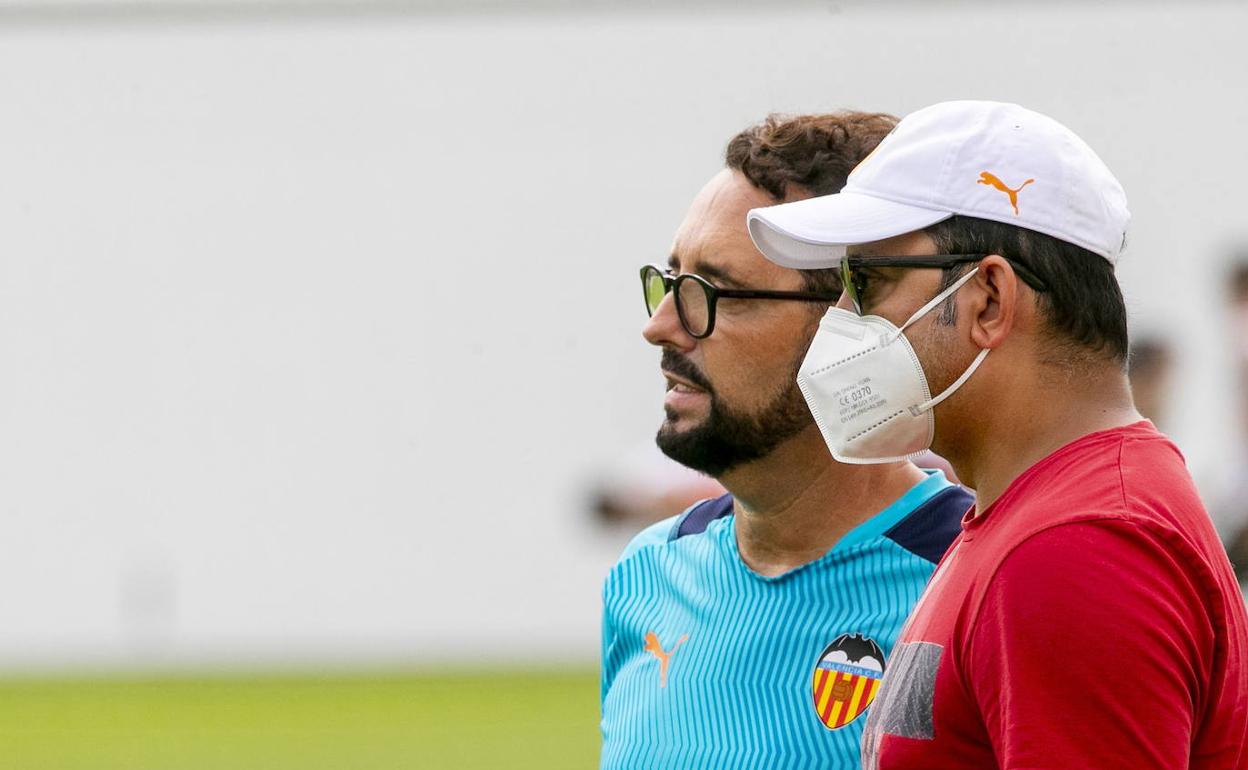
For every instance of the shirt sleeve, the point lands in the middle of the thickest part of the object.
(1092, 649)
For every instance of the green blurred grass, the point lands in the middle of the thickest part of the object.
(455, 721)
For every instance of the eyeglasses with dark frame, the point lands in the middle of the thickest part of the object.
(696, 297)
(856, 283)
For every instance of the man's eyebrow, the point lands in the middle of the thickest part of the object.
(719, 274)
(714, 273)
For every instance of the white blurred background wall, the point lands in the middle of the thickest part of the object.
(318, 319)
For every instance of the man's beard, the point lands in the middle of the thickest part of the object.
(727, 437)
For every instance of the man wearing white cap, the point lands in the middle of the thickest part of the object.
(1087, 615)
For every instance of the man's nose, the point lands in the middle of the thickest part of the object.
(664, 327)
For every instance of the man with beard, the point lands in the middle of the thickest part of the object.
(752, 630)
(1086, 616)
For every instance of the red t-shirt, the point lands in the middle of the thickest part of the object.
(1088, 619)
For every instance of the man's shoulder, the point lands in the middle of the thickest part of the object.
(931, 526)
(657, 533)
(694, 520)
(1129, 471)
(1126, 480)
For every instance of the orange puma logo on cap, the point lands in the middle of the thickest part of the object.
(989, 179)
(665, 658)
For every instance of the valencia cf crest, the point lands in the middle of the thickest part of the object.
(846, 679)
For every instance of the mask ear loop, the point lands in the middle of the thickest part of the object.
(979, 359)
(939, 298)
(926, 405)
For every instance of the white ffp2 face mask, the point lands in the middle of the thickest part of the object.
(866, 389)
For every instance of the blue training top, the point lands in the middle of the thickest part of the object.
(706, 664)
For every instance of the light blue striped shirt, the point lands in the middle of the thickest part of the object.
(706, 664)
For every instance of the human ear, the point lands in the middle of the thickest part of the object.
(994, 303)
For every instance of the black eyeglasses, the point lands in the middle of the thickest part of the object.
(696, 297)
(855, 281)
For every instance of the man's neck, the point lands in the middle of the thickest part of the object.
(795, 504)
(1016, 433)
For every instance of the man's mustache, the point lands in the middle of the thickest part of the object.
(682, 367)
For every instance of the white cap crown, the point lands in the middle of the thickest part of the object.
(980, 159)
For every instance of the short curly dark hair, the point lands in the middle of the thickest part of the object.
(811, 154)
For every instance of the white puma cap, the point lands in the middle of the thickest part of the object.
(979, 159)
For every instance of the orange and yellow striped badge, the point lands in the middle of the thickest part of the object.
(846, 679)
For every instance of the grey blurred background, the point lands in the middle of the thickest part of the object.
(318, 320)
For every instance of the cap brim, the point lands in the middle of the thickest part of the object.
(814, 232)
